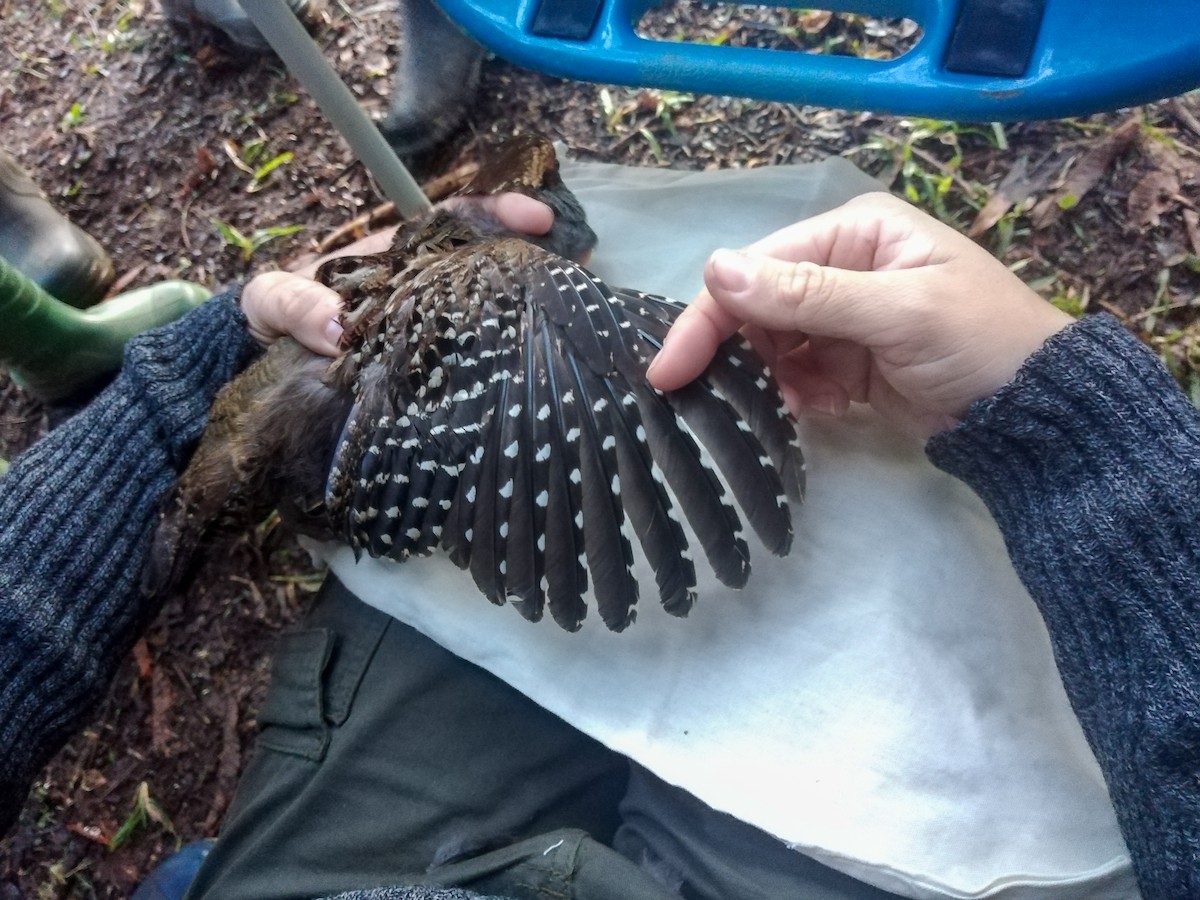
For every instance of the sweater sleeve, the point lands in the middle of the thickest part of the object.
(76, 514)
(1089, 461)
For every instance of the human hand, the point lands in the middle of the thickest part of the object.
(286, 303)
(873, 302)
(291, 303)
(515, 211)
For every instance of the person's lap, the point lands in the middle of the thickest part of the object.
(383, 759)
(380, 755)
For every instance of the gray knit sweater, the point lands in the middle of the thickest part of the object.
(76, 514)
(1089, 460)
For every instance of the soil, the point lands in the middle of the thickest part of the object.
(147, 138)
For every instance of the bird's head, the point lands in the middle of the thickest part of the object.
(527, 164)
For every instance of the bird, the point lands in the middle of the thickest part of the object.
(490, 398)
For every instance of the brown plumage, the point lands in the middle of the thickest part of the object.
(491, 399)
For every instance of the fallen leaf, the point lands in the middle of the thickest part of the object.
(123, 282)
(141, 655)
(1161, 188)
(154, 812)
(1155, 193)
(814, 20)
(162, 700)
(206, 165)
(93, 833)
(228, 765)
(1014, 189)
(92, 780)
(1086, 173)
(1191, 222)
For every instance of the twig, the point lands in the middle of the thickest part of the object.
(1184, 115)
(969, 189)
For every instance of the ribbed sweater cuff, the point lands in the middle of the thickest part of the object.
(178, 369)
(1091, 392)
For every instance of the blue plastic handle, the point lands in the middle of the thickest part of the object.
(1083, 56)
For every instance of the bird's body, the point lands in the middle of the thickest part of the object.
(491, 398)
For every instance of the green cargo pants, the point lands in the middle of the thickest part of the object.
(383, 760)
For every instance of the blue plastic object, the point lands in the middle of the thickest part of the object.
(172, 877)
(977, 60)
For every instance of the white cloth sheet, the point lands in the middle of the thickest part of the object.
(884, 699)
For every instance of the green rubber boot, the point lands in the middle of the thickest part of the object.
(39, 240)
(54, 351)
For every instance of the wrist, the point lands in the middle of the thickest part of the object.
(179, 369)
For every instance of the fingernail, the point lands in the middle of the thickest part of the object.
(826, 406)
(333, 331)
(731, 271)
(654, 362)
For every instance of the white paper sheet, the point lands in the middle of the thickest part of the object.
(885, 698)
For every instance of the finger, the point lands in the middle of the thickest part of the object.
(771, 345)
(871, 232)
(811, 384)
(841, 236)
(691, 343)
(521, 213)
(805, 297)
(848, 364)
(807, 392)
(283, 303)
(375, 242)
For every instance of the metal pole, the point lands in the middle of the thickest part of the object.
(281, 28)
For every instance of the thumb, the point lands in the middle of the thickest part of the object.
(281, 303)
(804, 296)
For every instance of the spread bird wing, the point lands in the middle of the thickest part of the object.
(510, 420)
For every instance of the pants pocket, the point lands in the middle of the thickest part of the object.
(316, 673)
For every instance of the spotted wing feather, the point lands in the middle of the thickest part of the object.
(543, 455)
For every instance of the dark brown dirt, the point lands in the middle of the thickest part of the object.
(137, 134)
